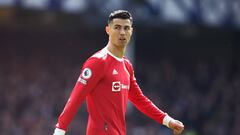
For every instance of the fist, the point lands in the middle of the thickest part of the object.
(176, 126)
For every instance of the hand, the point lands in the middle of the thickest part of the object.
(176, 126)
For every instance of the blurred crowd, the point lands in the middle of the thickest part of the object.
(204, 95)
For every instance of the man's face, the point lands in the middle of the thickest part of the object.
(119, 31)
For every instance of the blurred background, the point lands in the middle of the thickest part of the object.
(186, 55)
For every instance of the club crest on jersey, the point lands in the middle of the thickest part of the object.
(87, 73)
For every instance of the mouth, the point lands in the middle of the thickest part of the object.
(122, 39)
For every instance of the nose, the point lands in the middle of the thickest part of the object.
(122, 32)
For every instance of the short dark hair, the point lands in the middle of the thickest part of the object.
(121, 14)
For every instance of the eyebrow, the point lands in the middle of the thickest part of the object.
(122, 25)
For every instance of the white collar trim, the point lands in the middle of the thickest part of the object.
(118, 59)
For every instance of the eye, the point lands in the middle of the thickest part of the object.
(117, 27)
(126, 28)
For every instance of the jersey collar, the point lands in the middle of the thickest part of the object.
(118, 59)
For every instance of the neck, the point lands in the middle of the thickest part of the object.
(116, 51)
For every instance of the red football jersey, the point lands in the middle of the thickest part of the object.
(107, 82)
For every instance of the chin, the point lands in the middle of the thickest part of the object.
(122, 45)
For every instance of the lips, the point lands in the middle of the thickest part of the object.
(122, 39)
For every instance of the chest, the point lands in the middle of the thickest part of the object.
(114, 86)
(117, 77)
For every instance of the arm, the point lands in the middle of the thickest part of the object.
(148, 108)
(90, 76)
(143, 104)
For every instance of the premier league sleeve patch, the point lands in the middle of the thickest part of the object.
(86, 74)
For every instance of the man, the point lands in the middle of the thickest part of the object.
(107, 82)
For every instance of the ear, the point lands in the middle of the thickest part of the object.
(131, 30)
(107, 29)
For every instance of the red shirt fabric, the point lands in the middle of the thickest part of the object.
(107, 82)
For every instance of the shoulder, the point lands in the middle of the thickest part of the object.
(97, 59)
(102, 55)
(127, 61)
